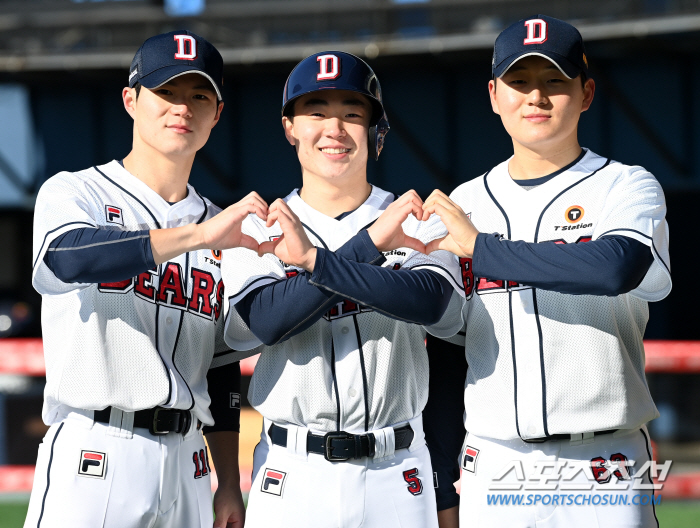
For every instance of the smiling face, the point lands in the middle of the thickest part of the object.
(176, 118)
(539, 106)
(329, 131)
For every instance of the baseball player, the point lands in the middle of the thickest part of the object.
(561, 250)
(337, 301)
(127, 257)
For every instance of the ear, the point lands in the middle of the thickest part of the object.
(129, 98)
(288, 125)
(219, 109)
(492, 95)
(588, 93)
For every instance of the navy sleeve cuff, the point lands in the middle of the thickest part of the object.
(224, 384)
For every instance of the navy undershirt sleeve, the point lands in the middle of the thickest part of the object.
(92, 255)
(416, 296)
(222, 382)
(443, 416)
(608, 266)
(279, 310)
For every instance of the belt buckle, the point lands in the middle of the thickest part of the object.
(328, 448)
(153, 423)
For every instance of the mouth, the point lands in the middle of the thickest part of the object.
(335, 150)
(537, 118)
(180, 129)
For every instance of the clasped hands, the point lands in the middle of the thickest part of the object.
(294, 247)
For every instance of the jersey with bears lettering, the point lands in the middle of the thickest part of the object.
(543, 362)
(354, 369)
(145, 341)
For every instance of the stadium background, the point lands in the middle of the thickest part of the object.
(63, 64)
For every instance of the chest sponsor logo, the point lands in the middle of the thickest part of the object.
(165, 285)
(93, 464)
(470, 458)
(273, 482)
(573, 216)
(215, 258)
(113, 215)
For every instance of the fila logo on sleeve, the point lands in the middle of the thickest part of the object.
(536, 31)
(235, 402)
(273, 482)
(329, 67)
(93, 464)
(114, 215)
(185, 43)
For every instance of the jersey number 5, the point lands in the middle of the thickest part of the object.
(415, 486)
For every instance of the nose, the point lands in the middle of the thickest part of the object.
(537, 97)
(335, 127)
(181, 109)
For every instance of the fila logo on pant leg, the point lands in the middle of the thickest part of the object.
(469, 459)
(273, 482)
(93, 464)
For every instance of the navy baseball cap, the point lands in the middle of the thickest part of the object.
(551, 38)
(164, 57)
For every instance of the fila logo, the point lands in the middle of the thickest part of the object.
(235, 402)
(183, 43)
(538, 27)
(93, 464)
(114, 214)
(273, 482)
(329, 67)
(470, 457)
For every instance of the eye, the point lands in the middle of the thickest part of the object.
(201, 97)
(556, 80)
(164, 91)
(353, 115)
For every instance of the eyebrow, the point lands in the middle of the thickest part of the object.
(203, 86)
(347, 102)
(523, 68)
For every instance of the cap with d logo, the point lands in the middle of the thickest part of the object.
(543, 36)
(164, 57)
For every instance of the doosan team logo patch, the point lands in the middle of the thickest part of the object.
(114, 215)
(471, 455)
(92, 464)
(273, 482)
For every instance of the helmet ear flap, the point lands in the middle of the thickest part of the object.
(377, 133)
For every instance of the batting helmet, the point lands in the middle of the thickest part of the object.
(337, 70)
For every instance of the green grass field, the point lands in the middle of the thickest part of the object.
(671, 514)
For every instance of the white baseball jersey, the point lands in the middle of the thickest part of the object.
(377, 365)
(135, 344)
(542, 362)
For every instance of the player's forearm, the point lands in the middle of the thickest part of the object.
(172, 242)
(608, 266)
(416, 296)
(285, 308)
(94, 255)
(223, 446)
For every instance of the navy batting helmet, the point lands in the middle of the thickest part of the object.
(337, 70)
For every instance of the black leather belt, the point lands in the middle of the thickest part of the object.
(563, 436)
(339, 446)
(158, 421)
